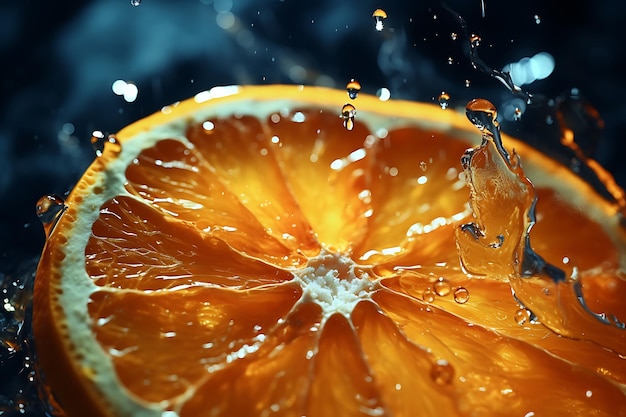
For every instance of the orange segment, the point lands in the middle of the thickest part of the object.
(243, 254)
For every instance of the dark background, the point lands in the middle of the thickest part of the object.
(59, 60)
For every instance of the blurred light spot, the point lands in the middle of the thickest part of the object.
(422, 180)
(127, 90)
(245, 38)
(221, 6)
(383, 94)
(528, 70)
(297, 74)
(68, 128)
(513, 108)
(225, 20)
(208, 125)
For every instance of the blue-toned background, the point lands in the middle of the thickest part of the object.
(60, 59)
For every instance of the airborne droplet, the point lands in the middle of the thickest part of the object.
(347, 113)
(49, 209)
(353, 88)
(100, 141)
(379, 15)
(135, 3)
(482, 113)
(461, 295)
(443, 99)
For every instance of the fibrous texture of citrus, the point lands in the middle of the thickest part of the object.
(242, 254)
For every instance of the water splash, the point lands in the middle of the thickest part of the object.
(100, 141)
(503, 201)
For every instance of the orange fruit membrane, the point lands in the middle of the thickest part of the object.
(242, 253)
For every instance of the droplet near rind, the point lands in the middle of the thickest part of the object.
(442, 372)
(441, 287)
(49, 209)
(348, 112)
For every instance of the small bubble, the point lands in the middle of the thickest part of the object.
(379, 15)
(347, 113)
(49, 209)
(135, 3)
(442, 372)
(353, 88)
(441, 287)
(521, 316)
(428, 295)
(461, 295)
(443, 99)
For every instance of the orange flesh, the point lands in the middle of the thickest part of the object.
(205, 260)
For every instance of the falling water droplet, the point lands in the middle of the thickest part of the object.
(482, 113)
(135, 3)
(537, 19)
(521, 316)
(517, 114)
(441, 287)
(379, 15)
(428, 295)
(49, 209)
(461, 295)
(474, 40)
(100, 141)
(347, 113)
(454, 36)
(442, 372)
(443, 99)
(353, 88)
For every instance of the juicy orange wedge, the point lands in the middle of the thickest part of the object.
(242, 253)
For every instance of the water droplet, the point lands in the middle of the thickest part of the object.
(423, 166)
(474, 40)
(482, 113)
(100, 141)
(347, 113)
(467, 83)
(428, 295)
(443, 99)
(379, 15)
(521, 316)
(537, 19)
(517, 114)
(450, 60)
(49, 209)
(353, 88)
(442, 372)
(135, 3)
(454, 36)
(441, 287)
(461, 295)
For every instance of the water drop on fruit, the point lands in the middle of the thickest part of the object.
(461, 295)
(521, 316)
(353, 88)
(49, 209)
(347, 113)
(428, 295)
(443, 99)
(379, 15)
(442, 372)
(441, 287)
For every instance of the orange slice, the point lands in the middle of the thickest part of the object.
(242, 253)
